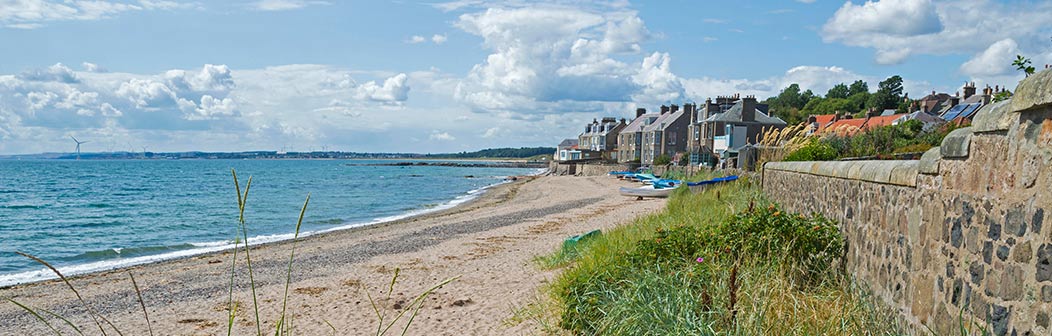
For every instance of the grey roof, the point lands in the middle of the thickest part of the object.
(638, 123)
(734, 114)
(976, 98)
(922, 116)
(667, 119)
(568, 143)
(888, 112)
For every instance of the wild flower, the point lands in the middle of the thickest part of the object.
(700, 259)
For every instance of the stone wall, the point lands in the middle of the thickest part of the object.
(965, 233)
(588, 169)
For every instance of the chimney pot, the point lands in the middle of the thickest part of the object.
(640, 112)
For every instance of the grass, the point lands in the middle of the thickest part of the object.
(283, 325)
(723, 261)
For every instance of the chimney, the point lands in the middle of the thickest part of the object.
(749, 108)
(664, 109)
(812, 119)
(689, 110)
(955, 100)
(623, 121)
(709, 109)
(969, 90)
(674, 108)
(640, 112)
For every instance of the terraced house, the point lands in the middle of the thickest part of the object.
(667, 134)
(601, 137)
(630, 139)
(740, 125)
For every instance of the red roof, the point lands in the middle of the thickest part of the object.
(881, 121)
(846, 127)
(823, 121)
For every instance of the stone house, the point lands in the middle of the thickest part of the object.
(665, 135)
(630, 139)
(601, 136)
(738, 126)
(699, 144)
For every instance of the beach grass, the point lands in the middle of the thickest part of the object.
(721, 261)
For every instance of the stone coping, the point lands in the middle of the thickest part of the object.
(894, 172)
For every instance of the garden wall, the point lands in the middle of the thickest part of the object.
(965, 233)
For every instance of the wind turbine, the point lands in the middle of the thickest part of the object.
(78, 145)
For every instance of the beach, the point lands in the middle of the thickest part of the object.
(489, 244)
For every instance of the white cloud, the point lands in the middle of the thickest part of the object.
(415, 39)
(394, 89)
(218, 108)
(32, 14)
(92, 67)
(282, 5)
(885, 17)
(492, 132)
(995, 60)
(555, 59)
(441, 136)
(54, 73)
(439, 39)
(709, 39)
(898, 29)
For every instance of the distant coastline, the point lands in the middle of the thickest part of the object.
(497, 154)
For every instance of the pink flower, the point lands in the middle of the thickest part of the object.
(700, 259)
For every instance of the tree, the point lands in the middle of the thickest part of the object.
(838, 91)
(892, 85)
(888, 95)
(858, 87)
(1023, 64)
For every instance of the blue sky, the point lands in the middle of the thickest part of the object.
(463, 75)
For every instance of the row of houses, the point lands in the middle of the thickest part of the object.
(699, 134)
(933, 110)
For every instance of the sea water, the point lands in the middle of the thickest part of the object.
(86, 216)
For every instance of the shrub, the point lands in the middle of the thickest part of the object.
(815, 150)
(662, 160)
(702, 268)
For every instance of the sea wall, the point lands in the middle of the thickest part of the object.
(963, 234)
(587, 168)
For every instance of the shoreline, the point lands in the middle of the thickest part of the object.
(469, 197)
(489, 242)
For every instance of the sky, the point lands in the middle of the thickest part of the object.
(432, 76)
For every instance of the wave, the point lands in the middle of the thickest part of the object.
(24, 206)
(117, 259)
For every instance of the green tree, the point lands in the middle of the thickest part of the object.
(838, 91)
(858, 87)
(828, 106)
(888, 95)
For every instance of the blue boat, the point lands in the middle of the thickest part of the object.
(713, 181)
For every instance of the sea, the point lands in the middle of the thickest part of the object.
(91, 215)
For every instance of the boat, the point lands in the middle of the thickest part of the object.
(701, 185)
(646, 191)
(665, 183)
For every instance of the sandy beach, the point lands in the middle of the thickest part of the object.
(489, 244)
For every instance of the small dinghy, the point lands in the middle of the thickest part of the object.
(646, 191)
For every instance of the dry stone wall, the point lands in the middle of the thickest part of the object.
(964, 234)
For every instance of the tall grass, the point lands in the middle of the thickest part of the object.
(723, 261)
